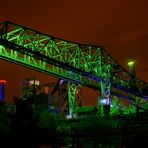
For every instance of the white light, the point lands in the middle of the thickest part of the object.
(68, 116)
(34, 82)
(103, 101)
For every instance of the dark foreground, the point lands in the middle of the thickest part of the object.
(131, 134)
(28, 128)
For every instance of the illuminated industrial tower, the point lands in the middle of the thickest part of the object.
(131, 65)
(2, 90)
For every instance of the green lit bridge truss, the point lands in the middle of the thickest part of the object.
(85, 65)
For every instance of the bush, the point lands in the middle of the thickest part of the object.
(47, 120)
(4, 119)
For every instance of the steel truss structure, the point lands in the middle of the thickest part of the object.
(85, 65)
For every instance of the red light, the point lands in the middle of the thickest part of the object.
(3, 81)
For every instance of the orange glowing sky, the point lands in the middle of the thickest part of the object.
(120, 26)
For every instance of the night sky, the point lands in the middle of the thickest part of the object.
(120, 26)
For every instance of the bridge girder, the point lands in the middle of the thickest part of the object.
(80, 64)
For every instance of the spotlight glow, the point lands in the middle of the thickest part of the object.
(131, 63)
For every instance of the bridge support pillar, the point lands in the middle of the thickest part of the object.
(105, 91)
(72, 94)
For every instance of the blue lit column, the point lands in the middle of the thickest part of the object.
(2, 90)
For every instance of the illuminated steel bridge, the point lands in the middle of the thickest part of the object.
(77, 64)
